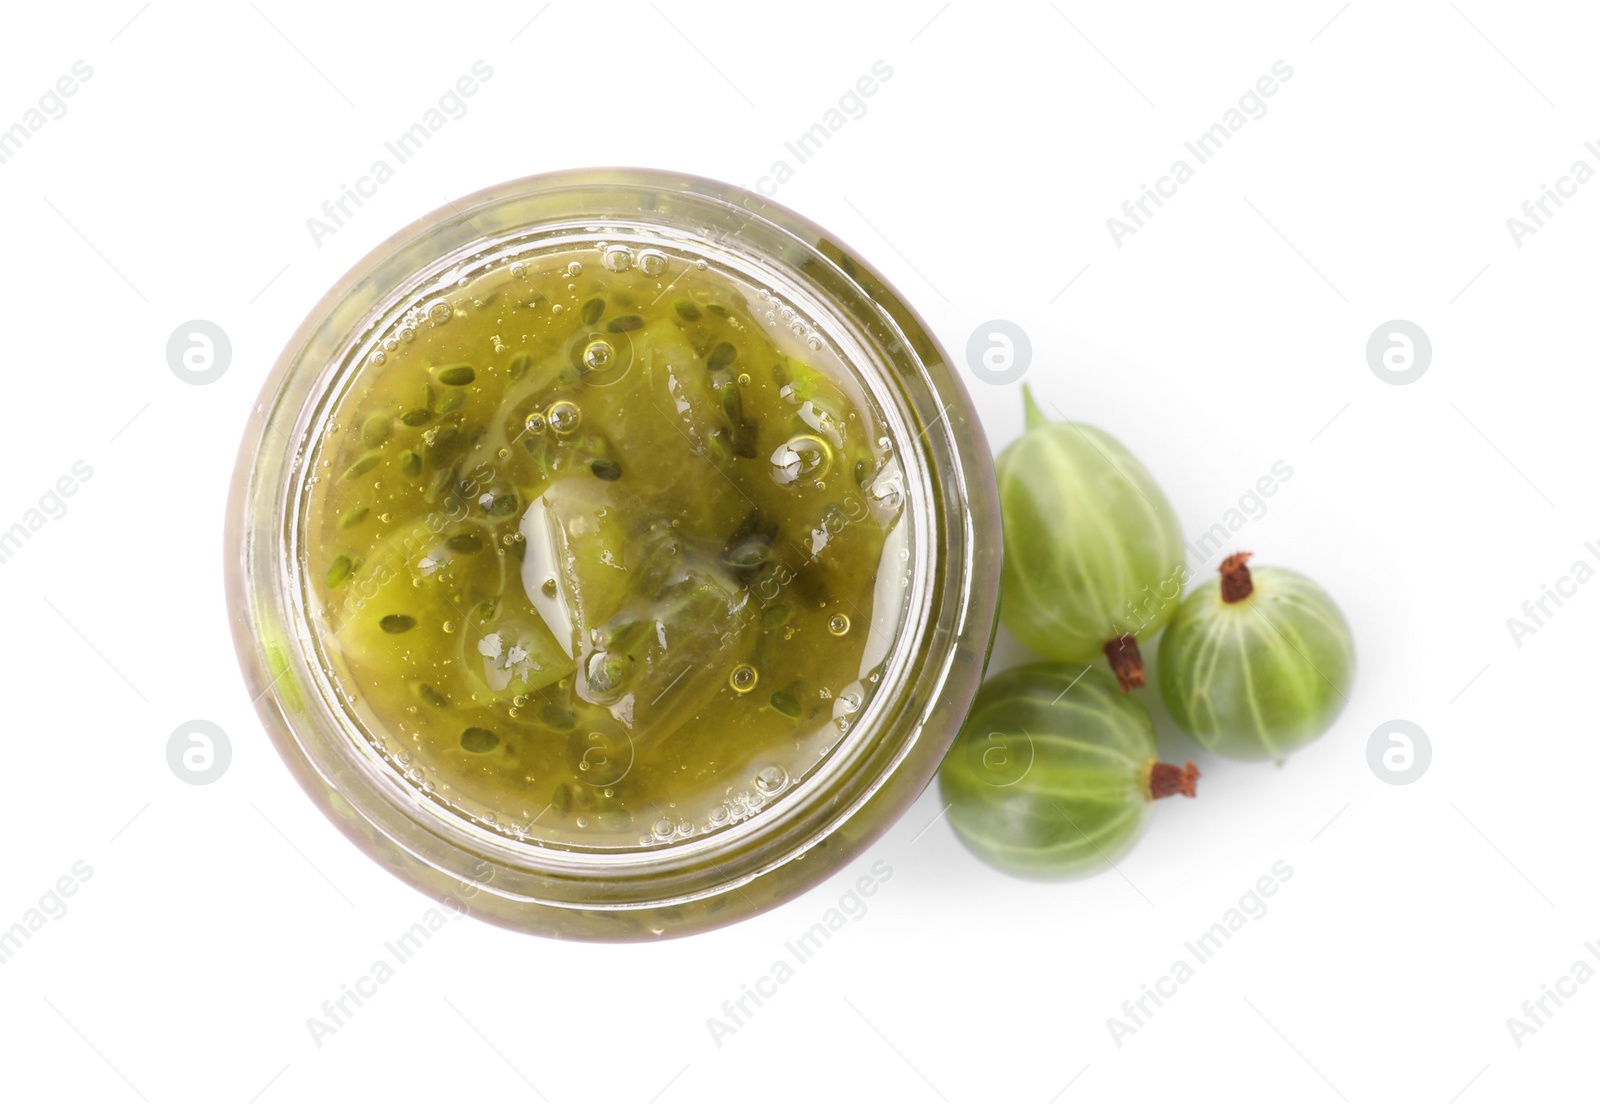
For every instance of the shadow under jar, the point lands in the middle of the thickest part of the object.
(612, 555)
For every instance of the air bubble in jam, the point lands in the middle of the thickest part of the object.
(618, 259)
(743, 679)
(437, 311)
(598, 354)
(804, 455)
(849, 701)
(772, 779)
(652, 263)
(564, 417)
(839, 625)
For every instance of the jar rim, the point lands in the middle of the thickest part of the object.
(656, 890)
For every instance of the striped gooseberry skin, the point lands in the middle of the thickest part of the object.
(1093, 550)
(1260, 676)
(1049, 778)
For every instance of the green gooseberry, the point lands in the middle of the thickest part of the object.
(1256, 664)
(1094, 558)
(1053, 773)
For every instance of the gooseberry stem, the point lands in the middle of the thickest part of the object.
(1169, 780)
(1126, 663)
(1236, 583)
(1032, 417)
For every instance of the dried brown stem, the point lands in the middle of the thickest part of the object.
(1169, 780)
(1123, 654)
(1236, 583)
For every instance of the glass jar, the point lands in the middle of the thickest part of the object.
(929, 672)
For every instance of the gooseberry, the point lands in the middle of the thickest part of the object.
(1256, 664)
(1094, 558)
(1053, 773)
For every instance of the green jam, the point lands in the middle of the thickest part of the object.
(605, 546)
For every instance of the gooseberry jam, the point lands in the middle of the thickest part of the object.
(606, 544)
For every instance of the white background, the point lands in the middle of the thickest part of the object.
(1226, 334)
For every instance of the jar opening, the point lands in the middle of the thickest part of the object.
(495, 499)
